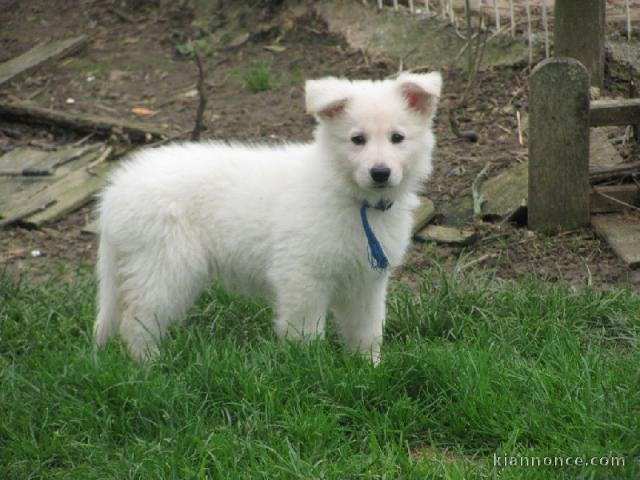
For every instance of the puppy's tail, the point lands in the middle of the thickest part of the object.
(108, 320)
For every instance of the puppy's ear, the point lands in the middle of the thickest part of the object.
(421, 92)
(327, 98)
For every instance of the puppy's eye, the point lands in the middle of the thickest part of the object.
(397, 138)
(358, 140)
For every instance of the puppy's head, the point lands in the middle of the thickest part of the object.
(377, 133)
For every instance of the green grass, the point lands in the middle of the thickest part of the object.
(470, 368)
(258, 78)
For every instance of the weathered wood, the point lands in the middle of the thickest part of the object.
(450, 235)
(629, 194)
(41, 53)
(602, 154)
(72, 185)
(558, 146)
(622, 232)
(598, 174)
(105, 126)
(423, 214)
(71, 192)
(579, 33)
(16, 218)
(615, 112)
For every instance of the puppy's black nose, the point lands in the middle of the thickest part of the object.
(380, 174)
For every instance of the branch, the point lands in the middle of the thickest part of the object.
(199, 126)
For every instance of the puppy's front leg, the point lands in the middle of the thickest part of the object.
(301, 310)
(360, 315)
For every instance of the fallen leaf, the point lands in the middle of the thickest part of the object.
(143, 112)
(117, 75)
(275, 48)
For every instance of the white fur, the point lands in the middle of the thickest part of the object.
(281, 222)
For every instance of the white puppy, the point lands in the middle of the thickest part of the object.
(313, 228)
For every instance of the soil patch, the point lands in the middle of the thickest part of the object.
(132, 61)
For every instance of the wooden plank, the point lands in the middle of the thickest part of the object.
(105, 126)
(601, 153)
(26, 157)
(72, 188)
(422, 215)
(41, 53)
(15, 190)
(579, 32)
(450, 235)
(615, 112)
(629, 194)
(71, 192)
(597, 174)
(559, 186)
(622, 232)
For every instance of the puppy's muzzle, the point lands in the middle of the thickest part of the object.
(380, 175)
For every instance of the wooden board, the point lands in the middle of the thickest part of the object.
(14, 191)
(615, 112)
(71, 192)
(422, 215)
(622, 232)
(450, 235)
(559, 187)
(73, 185)
(40, 54)
(105, 126)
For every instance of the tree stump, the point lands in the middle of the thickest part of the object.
(558, 146)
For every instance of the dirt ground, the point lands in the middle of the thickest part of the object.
(132, 61)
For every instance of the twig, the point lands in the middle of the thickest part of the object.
(166, 140)
(82, 141)
(470, 135)
(478, 199)
(478, 260)
(101, 158)
(624, 170)
(7, 222)
(199, 126)
(518, 120)
(618, 201)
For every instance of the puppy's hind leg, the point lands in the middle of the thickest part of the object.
(108, 319)
(159, 287)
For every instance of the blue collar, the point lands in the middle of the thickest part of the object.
(377, 258)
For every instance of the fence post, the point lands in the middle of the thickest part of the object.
(558, 146)
(579, 33)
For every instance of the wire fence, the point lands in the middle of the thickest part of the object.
(530, 17)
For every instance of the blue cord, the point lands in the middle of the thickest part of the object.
(377, 258)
